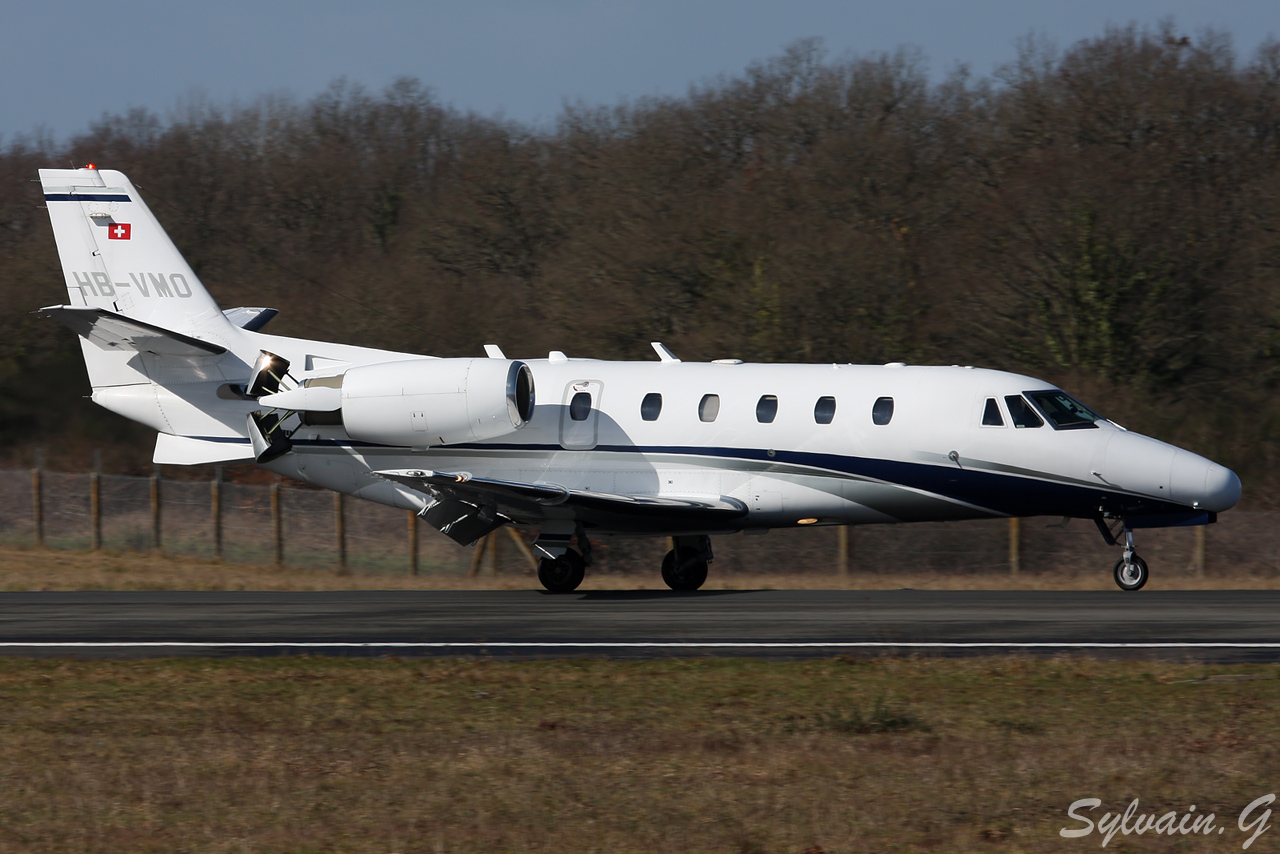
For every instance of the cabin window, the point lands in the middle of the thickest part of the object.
(580, 406)
(709, 407)
(991, 416)
(824, 411)
(1063, 411)
(882, 411)
(651, 406)
(1021, 412)
(767, 408)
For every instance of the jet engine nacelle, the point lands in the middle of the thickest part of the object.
(423, 402)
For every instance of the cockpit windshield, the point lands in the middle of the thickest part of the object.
(1063, 411)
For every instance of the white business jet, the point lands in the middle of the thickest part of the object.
(657, 448)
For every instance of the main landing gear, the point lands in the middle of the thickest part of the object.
(685, 566)
(562, 568)
(562, 574)
(1131, 571)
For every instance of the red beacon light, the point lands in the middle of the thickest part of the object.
(90, 166)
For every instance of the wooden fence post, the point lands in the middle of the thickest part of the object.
(277, 523)
(340, 530)
(95, 501)
(1015, 545)
(155, 510)
(523, 547)
(842, 550)
(215, 508)
(1198, 550)
(413, 542)
(37, 497)
(477, 556)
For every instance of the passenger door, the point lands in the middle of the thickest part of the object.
(580, 415)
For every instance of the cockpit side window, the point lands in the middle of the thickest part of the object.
(1021, 412)
(991, 416)
(1063, 411)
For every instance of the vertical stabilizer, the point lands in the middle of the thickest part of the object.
(115, 255)
(155, 344)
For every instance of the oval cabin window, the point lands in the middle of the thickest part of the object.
(767, 408)
(580, 406)
(882, 411)
(651, 406)
(824, 411)
(709, 407)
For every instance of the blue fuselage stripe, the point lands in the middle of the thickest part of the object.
(85, 197)
(1001, 493)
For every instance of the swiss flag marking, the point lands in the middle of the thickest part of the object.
(118, 231)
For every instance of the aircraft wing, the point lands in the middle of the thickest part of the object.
(112, 331)
(527, 501)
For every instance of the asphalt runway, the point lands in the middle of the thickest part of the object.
(1179, 625)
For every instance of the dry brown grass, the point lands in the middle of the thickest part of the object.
(35, 569)
(361, 755)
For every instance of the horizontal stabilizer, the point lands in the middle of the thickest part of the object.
(189, 451)
(112, 331)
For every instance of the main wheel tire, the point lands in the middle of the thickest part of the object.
(689, 575)
(564, 574)
(1131, 576)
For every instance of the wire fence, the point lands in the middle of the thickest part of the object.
(314, 529)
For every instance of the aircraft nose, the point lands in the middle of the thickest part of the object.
(1221, 489)
(1203, 483)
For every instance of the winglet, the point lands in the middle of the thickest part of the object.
(663, 353)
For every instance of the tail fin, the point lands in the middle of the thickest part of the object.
(115, 255)
(155, 344)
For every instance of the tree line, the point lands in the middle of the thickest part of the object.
(1102, 216)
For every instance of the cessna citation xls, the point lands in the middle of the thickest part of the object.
(657, 448)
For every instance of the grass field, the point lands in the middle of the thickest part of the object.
(36, 569)
(741, 756)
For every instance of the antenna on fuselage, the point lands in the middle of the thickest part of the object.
(663, 353)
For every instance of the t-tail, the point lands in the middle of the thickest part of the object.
(156, 345)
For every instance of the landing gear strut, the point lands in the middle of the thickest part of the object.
(1131, 571)
(685, 566)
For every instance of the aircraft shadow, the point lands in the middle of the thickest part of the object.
(636, 595)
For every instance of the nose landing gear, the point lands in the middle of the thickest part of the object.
(1131, 571)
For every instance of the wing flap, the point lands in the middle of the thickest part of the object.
(465, 487)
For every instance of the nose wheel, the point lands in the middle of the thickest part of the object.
(1131, 573)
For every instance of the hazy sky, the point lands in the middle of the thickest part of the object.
(63, 63)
